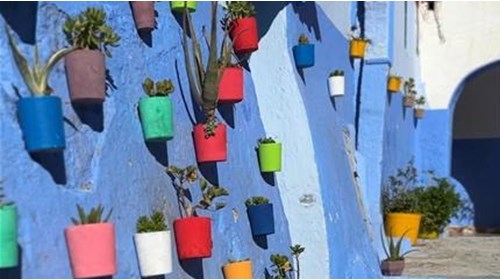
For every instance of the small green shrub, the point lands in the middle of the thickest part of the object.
(303, 40)
(266, 140)
(336, 73)
(239, 9)
(161, 88)
(156, 222)
(93, 217)
(256, 200)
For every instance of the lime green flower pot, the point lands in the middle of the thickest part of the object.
(8, 236)
(270, 157)
(178, 6)
(156, 118)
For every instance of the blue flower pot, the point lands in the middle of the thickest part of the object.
(41, 121)
(303, 55)
(261, 219)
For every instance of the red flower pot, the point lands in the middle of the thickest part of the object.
(193, 237)
(244, 34)
(213, 148)
(92, 250)
(86, 74)
(144, 14)
(231, 85)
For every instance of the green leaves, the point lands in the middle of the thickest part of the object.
(161, 88)
(93, 217)
(409, 87)
(266, 140)
(303, 39)
(393, 251)
(297, 250)
(336, 73)
(156, 222)
(239, 9)
(256, 200)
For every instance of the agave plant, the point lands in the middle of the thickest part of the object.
(36, 77)
(393, 251)
(93, 217)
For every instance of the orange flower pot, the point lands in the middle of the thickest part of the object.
(397, 224)
(357, 48)
(394, 83)
(238, 270)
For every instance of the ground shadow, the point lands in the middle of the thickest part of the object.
(210, 172)
(265, 12)
(308, 15)
(91, 114)
(226, 111)
(15, 272)
(21, 17)
(193, 267)
(261, 241)
(53, 162)
(159, 151)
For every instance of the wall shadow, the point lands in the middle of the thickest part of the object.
(91, 115)
(389, 97)
(266, 11)
(193, 267)
(308, 15)
(334, 104)
(181, 89)
(160, 276)
(14, 272)
(146, 36)
(261, 241)
(110, 83)
(301, 74)
(268, 177)
(159, 151)
(210, 172)
(52, 162)
(226, 111)
(21, 17)
(359, 86)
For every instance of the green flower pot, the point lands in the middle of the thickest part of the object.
(156, 118)
(8, 236)
(270, 157)
(178, 6)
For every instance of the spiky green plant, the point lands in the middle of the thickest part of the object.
(188, 175)
(256, 200)
(239, 9)
(90, 31)
(156, 222)
(303, 40)
(93, 217)
(161, 88)
(204, 83)
(3, 203)
(337, 73)
(266, 140)
(297, 249)
(393, 251)
(36, 77)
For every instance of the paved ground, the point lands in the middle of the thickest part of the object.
(456, 257)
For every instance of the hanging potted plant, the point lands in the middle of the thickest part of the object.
(9, 254)
(303, 53)
(178, 6)
(156, 111)
(193, 233)
(283, 268)
(238, 269)
(269, 152)
(85, 67)
(210, 137)
(91, 244)
(242, 26)
(394, 83)
(410, 93)
(419, 107)
(394, 264)
(153, 244)
(336, 83)
(357, 47)
(260, 215)
(231, 80)
(40, 116)
(144, 15)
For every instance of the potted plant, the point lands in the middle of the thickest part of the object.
(400, 204)
(394, 264)
(269, 151)
(156, 110)
(438, 204)
(85, 67)
(303, 53)
(40, 116)
(178, 6)
(153, 243)
(357, 46)
(91, 244)
(410, 93)
(419, 107)
(210, 137)
(231, 80)
(336, 83)
(193, 233)
(238, 269)
(8, 232)
(242, 26)
(282, 267)
(260, 215)
(394, 83)
(144, 15)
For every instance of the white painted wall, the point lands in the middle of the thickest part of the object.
(339, 13)
(472, 33)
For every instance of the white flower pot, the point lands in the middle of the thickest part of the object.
(336, 85)
(154, 252)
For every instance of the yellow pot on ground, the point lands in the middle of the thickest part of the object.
(396, 224)
(394, 84)
(357, 48)
(238, 270)
(429, 235)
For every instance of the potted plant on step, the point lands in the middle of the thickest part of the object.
(419, 107)
(144, 15)
(260, 215)
(231, 80)
(9, 253)
(303, 53)
(91, 244)
(357, 46)
(193, 234)
(178, 6)
(394, 264)
(283, 268)
(85, 67)
(394, 83)
(336, 83)
(210, 137)
(242, 26)
(153, 243)
(238, 269)
(156, 111)
(40, 116)
(269, 151)
(410, 93)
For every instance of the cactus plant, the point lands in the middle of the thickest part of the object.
(93, 217)
(161, 88)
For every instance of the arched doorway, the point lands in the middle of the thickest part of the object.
(476, 144)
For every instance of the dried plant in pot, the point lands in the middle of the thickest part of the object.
(40, 116)
(419, 110)
(144, 15)
(394, 263)
(336, 83)
(303, 53)
(85, 67)
(238, 269)
(242, 25)
(9, 255)
(193, 233)
(410, 93)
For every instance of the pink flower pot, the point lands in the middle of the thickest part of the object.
(144, 14)
(86, 74)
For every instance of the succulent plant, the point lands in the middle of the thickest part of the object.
(90, 31)
(36, 77)
(156, 222)
(256, 200)
(266, 140)
(303, 40)
(239, 9)
(337, 73)
(161, 88)
(93, 217)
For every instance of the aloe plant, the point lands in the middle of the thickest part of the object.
(36, 76)
(93, 217)
(393, 251)
(161, 88)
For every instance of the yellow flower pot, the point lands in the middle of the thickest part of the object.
(394, 83)
(357, 48)
(396, 224)
(238, 270)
